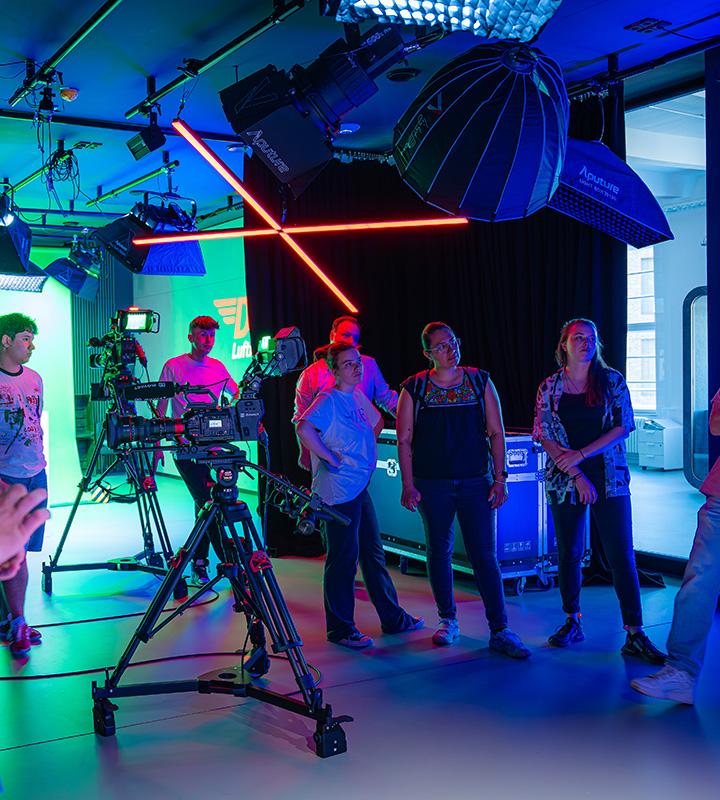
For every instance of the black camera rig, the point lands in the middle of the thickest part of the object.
(118, 353)
(204, 424)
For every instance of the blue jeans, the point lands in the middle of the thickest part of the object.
(696, 601)
(346, 546)
(441, 500)
(39, 481)
(613, 516)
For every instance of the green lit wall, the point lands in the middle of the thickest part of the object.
(53, 360)
(221, 294)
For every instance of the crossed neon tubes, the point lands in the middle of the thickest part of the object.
(274, 228)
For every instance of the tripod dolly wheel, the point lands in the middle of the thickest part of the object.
(104, 717)
(180, 590)
(46, 580)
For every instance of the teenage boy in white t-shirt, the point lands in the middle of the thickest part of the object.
(22, 460)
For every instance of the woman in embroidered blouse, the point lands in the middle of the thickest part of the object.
(445, 416)
(583, 415)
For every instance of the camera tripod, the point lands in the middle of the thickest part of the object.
(257, 594)
(136, 463)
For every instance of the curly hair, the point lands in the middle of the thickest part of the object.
(12, 324)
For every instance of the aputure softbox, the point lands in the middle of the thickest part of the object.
(15, 242)
(486, 136)
(600, 189)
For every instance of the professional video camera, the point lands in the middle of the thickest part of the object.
(203, 424)
(118, 353)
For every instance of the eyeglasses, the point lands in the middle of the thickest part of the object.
(445, 347)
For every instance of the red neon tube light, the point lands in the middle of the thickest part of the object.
(216, 163)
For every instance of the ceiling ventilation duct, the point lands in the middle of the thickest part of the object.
(486, 136)
(600, 189)
(520, 20)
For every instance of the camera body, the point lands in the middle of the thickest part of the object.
(118, 353)
(203, 424)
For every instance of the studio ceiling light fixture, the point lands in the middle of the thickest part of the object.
(274, 228)
(520, 20)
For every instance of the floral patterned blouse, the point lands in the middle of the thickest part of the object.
(618, 411)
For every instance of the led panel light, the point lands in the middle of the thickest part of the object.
(32, 281)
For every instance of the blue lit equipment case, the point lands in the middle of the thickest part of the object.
(525, 534)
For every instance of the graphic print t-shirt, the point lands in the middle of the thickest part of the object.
(21, 438)
(346, 422)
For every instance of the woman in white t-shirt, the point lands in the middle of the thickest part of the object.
(339, 429)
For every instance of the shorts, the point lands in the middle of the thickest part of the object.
(39, 481)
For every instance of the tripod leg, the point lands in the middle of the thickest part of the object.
(144, 631)
(270, 604)
(136, 477)
(82, 488)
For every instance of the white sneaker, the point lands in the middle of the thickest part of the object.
(668, 684)
(448, 630)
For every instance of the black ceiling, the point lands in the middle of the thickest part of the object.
(110, 67)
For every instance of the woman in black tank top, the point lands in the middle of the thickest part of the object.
(446, 416)
(583, 415)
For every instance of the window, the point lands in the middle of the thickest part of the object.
(640, 368)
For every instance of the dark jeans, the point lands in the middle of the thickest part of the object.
(346, 546)
(38, 481)
(613, 517)
(467, 498)
(199, 481)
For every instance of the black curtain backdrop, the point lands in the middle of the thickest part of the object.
(505, 288)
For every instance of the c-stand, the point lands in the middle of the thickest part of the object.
(257, 594)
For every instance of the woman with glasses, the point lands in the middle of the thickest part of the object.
(583, 415)
(339, 429)
(446, 416)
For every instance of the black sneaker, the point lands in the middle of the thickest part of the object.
(637, 644)
(568, 633)
(198, 571)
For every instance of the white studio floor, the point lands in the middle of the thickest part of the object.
(429, 722)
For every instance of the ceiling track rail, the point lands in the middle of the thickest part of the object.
(193, 68)
(47, 71)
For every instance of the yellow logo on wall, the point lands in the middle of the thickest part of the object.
(234, 311)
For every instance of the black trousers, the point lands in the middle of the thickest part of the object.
(613, 516)
(199, 482)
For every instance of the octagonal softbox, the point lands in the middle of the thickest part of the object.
(486, 136)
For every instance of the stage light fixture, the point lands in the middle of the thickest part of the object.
(147, 140)
(79, 272)
(15, 241)
(7, 217)
(290, 120)
(598, 188)
(145, 218)
(520, 20)
(31, 281)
